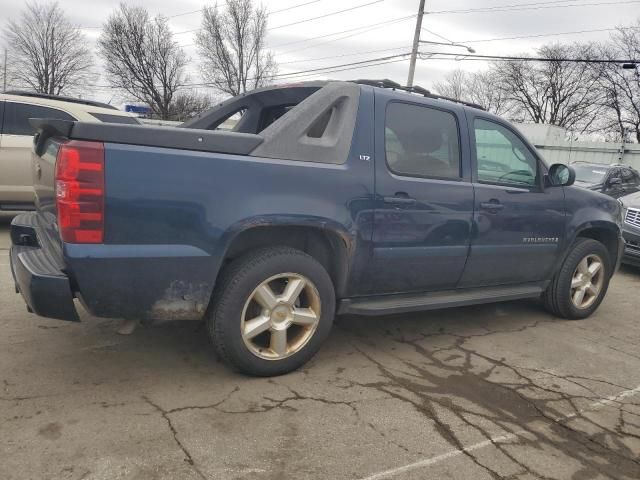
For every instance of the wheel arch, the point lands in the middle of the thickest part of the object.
(328, 243)
(604, 232)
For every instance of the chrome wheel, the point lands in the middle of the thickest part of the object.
(280, 316)
(587, 281)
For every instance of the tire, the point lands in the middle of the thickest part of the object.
(242, 296)
(559, 298)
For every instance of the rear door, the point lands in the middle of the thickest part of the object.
(422, 223)
(518, 224)
(16, 183)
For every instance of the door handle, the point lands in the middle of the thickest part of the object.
(400, 198)
(491, 206)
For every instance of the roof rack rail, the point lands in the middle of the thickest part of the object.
(386, 83)
(48, 96)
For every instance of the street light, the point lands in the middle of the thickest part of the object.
(450, 44)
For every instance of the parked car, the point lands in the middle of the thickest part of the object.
(16, 137)
(631, 229)
(349, 197)
(613, 180)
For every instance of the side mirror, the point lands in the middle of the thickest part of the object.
(614, 181)
(561, 175)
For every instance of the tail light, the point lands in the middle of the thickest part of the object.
(80, 191)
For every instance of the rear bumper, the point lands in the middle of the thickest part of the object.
(38, 276)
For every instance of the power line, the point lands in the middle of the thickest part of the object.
(355, 65)
(438, 35)
(297, 77)
(327, 15)
(496, 7)
(386, 22)
(575, 32)
(294, 6)
(525, 59)
(541, 35)
(362, 62)
(342, 37)
(404, 47)
(513, 8)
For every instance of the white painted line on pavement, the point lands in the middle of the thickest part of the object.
(502, 438)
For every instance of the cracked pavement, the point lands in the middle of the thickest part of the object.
(486, 392)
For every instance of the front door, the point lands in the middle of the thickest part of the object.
(518, 224)
(422, 223)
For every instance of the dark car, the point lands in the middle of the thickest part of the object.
(631, 229)
(613, 180)
(341, 197)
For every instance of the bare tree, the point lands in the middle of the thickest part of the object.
(483, 90)
(620, 88)
(188, 104)
(556, 92)
(142, 58)
(478, 87)
(46, 52)
(231, 45)
(455, 85)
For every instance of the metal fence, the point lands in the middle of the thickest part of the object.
(596, 152)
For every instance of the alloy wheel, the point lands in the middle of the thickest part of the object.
(280, 316)
(587, 281)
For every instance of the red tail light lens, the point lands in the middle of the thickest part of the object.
(80, 191)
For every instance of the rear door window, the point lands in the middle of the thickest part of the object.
(17, 115)
(422, 141)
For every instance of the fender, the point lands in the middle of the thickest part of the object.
(347, 235)
(575, 230)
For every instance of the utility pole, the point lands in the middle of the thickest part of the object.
(4, 69)
(416, 44)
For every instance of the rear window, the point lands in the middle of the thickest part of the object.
(17, 115)
(106, 118)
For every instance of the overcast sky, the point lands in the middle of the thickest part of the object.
(295, 51)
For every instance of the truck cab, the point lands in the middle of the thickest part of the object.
(360, 198)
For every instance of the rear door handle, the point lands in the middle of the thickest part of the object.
(491, 206)
(400, 198)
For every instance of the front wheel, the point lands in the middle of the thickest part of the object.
(271, 311)
(581, 284)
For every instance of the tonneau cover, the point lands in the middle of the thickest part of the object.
(148, 136)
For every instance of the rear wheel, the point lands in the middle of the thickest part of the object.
(582, 282)
(271, 311)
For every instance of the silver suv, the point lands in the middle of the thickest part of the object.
(16, 136)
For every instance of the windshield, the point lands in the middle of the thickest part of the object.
(589, 173)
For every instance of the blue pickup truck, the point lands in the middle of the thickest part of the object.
(338, 197)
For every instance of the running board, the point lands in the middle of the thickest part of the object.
(390, 304)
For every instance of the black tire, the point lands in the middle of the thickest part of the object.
(236, 285)
(557, 297)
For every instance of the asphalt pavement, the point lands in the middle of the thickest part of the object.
(486, 392)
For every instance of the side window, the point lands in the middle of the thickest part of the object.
(502, 157)
(614, 173)
(422, 141)
(17, 115)
(627, 176)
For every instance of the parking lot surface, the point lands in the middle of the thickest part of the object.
(493, 391)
